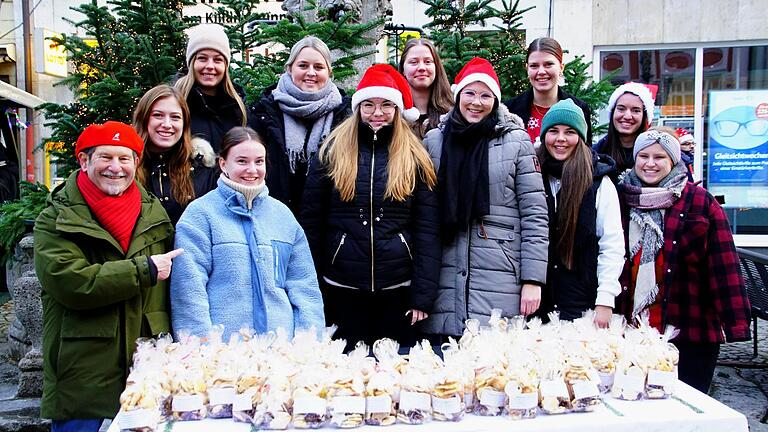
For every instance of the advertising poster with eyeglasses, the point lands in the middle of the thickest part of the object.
(738, 147)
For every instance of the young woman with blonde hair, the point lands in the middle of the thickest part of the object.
(215, 103)
(370, 213)
(296, 114)
(422, 68)
(174, 167)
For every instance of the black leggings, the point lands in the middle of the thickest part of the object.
(697, 363)
(367, 316)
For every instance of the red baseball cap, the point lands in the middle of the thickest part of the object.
(110, 133)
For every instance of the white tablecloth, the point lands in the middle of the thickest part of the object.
(689, 410)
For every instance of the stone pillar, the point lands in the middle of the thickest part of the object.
(29, 312)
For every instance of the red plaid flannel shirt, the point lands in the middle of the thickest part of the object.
(704, 294)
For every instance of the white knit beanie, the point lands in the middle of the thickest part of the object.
(648, 138)
(637, 89)
(207, 36)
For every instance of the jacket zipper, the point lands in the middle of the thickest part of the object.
(373, 161)
(338, 248)
(402, 238)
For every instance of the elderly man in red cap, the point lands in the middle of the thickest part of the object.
(102, 255)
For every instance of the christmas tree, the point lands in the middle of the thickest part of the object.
(129, 47)
(504, 47)
(341, 32)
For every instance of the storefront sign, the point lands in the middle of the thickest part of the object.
(738, 147)
(51, 58)
(212, 12)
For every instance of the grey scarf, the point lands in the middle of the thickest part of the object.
(299, 106)
(646, 227)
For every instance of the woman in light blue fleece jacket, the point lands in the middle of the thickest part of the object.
(246, 261)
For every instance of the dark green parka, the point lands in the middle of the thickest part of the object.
(97, 300)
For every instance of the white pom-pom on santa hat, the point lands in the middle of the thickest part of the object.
(477, 69)
(637, 89)
(383, 81)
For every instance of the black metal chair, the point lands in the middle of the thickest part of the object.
(754, 270)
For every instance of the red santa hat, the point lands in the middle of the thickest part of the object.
(683, 135)
(383, 81)
(477, 69)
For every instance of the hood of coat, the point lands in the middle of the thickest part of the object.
(602, 165)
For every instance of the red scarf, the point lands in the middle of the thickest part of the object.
(117, 214)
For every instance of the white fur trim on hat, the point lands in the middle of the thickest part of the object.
(483, 78)
(638, 90)
(389, 93)
(207, 36)
(686, 138)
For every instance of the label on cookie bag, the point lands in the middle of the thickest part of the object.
(661, 378)
(451, 405)
(492, 398)
(554, 388)
(378, 404)
(221, 396)
(584, 389)
(348, 404)
(629, 383)
(410, 401)
(138, 418)
(309, 405)
(186, 403)
(243, 401)
(523, 400)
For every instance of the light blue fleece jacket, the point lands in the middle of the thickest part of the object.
(223, 278)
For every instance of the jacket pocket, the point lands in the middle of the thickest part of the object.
(338, 248)
(405, 242)
(159, 322)
(102, 323)
(503, 235)
(281, 256)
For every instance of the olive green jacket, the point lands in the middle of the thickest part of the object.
(97, 300)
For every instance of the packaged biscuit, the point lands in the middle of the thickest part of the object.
(140, 403)
(554, 397)
(448, 395)
(663, 358)
(189, 397)
(490, 383)
(415, 403)
(522, 391)
(309, 391)
(346, 393)
(381, 395)
(248, 391)
(582, 381)
(274, 402)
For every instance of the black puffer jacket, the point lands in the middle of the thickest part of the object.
(267, 120)
(213, 116)
(204, 176)
(372, 243)
(574, 291)
(521, 105)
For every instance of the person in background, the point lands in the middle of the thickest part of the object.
(630, 110)
(586, 240)
(544, 63)
(687, 147)
(175, 168)
(423, 69)
(683, 269)
(215, 103)
(493, 210)
(102, 255)
(370, 211)
(247, 262)
(296, 114)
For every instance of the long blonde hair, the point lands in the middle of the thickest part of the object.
(184, 86)
(180, 163)
(407, 158)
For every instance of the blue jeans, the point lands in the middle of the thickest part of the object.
(77, 425)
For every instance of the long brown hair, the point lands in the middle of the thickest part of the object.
(613, 147)
(187, 82)
(180, 163)
(575, 182)
(407, 157)
(440, 95)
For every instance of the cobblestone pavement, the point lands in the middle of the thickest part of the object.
(741, 381)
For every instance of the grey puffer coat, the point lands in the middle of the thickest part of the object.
(485, 266)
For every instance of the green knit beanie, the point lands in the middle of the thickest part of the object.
(565, 112)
